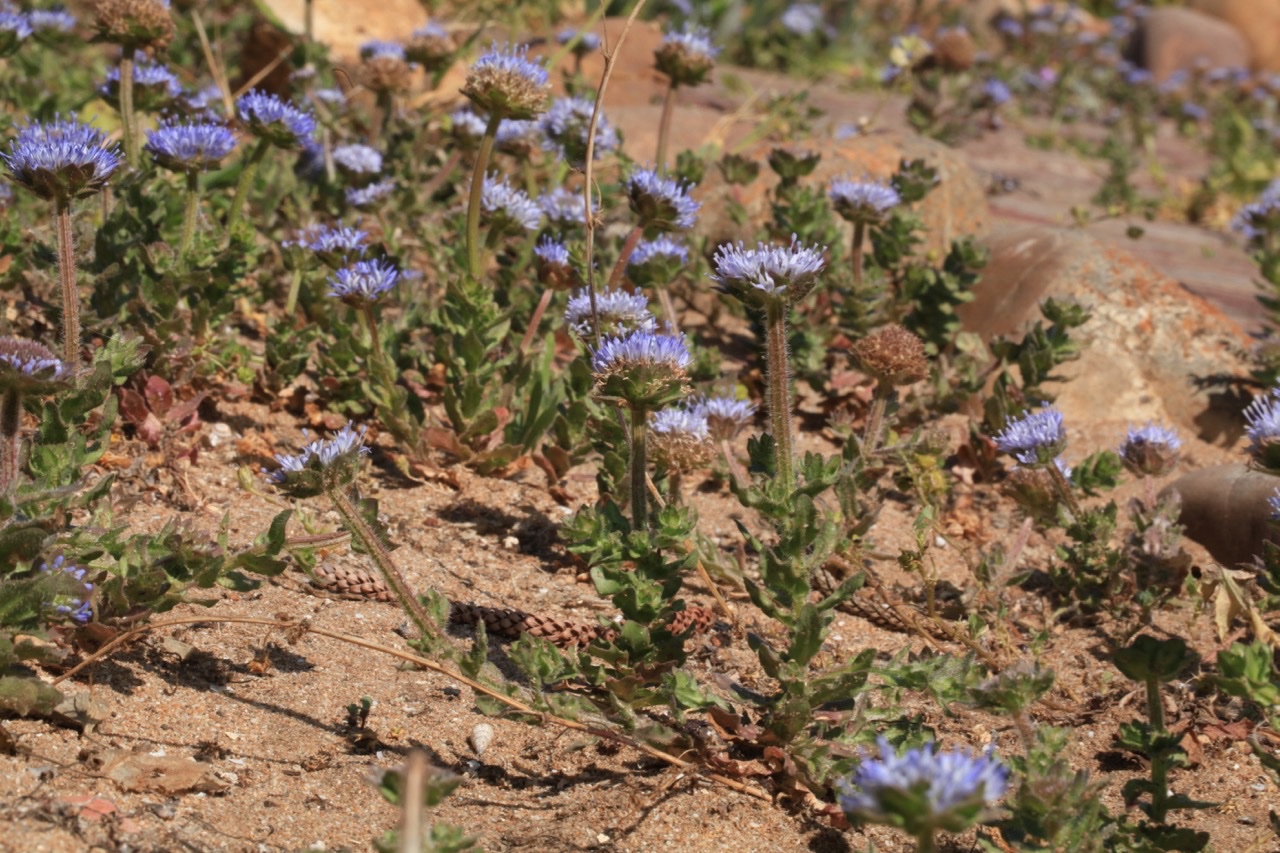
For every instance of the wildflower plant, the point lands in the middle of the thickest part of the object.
(189, 149)
(274, 122)
(685, 57)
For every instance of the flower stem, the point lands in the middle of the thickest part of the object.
(128, 121)
(859, 236)
(536, 320)
(875, 418)
(628, 247)
(639, 491)
(247, 175)
(1159, 762)
(380, 361)
(67, 279)
(477, 189)
(10, 423)
(189, 215)
(382, 559)
(664, 127)
(295, 289)
(926, 843)
(777, 379)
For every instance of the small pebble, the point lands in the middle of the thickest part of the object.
(511, 543)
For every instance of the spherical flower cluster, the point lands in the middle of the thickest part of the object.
(384, 67)
(554, 267)
(1259, 222)
(55, 20)
(358, 162)
(368, 197)
(565, 127)
(661, 203)
(765, 273)
(657, 261)
(278, 122)
(507, 208)
(892, 354)
(379, 47)
(865, 201)
(686, 56)
(505, 82)
(467, 126)
(154, 87)
(336, 246)
(190, 146)
(1151, 450)
(134, 24)
(323, 464)
(1262, 426)
(727, 416)
(995, 92)
(61, 160)
(76, 602)
(518, 137)
(644, 370)
(802, 19)
(27, 367)
(431, 46)
(620, 313)
(562, 208)
(1037, 438)
(680, 439)
(922, 791)
(363, 282)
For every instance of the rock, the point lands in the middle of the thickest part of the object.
(1169, 39)
(1257, 20)
(1151, 350)
(346, 26)
(1225, 509)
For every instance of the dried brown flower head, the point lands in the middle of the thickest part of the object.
(388, 74)
(134, 24)
(892, 354)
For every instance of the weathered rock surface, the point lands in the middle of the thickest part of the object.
(1257, 20)
(1151, 351)
(1225, 509)
(1169, 39)
(345, 26)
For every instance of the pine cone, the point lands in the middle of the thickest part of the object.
(349, 582)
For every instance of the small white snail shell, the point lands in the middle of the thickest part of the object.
(480, 738)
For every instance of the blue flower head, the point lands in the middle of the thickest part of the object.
(1151, 450)
(375, 48)
(865, 201)
(278, 122)
(369, 197)
(565, 127)
(15, 28)
(190, 146)
(680, 438)
(1262, 426)
(363, 282)
(922, 791)
(358, 162)
(1036, 438)
(155, 87)
(467, 126)
(620, 314)
(73, 595)
(507, 208)
(27, 367)
(60, 160)
(995, 92)
(56, 21)
(506, 82)
(642, 369)
(1274, 502)
(767, 272)
(562, 208)
(802, 19)
(1259, 222)
(555, 269)
(686, 56)
(431, 46)
(727, 416)
(337, 246)
(322, 465)
(657, 262)
(661, 203)
(518, 137)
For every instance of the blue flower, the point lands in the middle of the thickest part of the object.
(334, 98)
(1151, 449)
(190, 147)
(506, 82)
(687, 55)
(467, 126)
(1274, 502)
(661, 247)
(363, 281)
(336, 246)
(278, 122)
(28, 367)
(865, 201)
(15, 28)
(678, 420)
(518, 137)
(554, 252)
(922, 791)
(322, 464)
(995, 91)
(620, 313)
(357, 161)
(768, 272)
(1034, 439)
(375, 48)
(640, 348)
(565, 126)
(680, 438)
(61, 160)
(431, 29)
(1259, 221)
(431, 46)
(154, 86)
(55, 20)
(507, 207)
(365, 198)
(564, 209)
(76, 603)
(662, 203)
(726, 416)
(1262, 426)
(802, 19)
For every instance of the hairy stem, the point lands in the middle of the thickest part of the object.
(536, 320)
(128, 121)
(295, 288)
(247, 175)
(628, 247)
(664, 127)
(1159, 762)
(477, 189)
(639, 492)
(10, 426)
(777, 380)
(731, 462)
(67, 281)
(875, 418)
(859, 237)
(190, 212)
(382, 559)
(380, 360)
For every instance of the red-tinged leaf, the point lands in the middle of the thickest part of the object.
(159, 394)
(132, 406)
(151, 430)
(187, 409)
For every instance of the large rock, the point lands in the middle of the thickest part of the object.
(1257, 20)
(1151, 350)
(1171, 39)
(345, 26)
(1225, 509)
